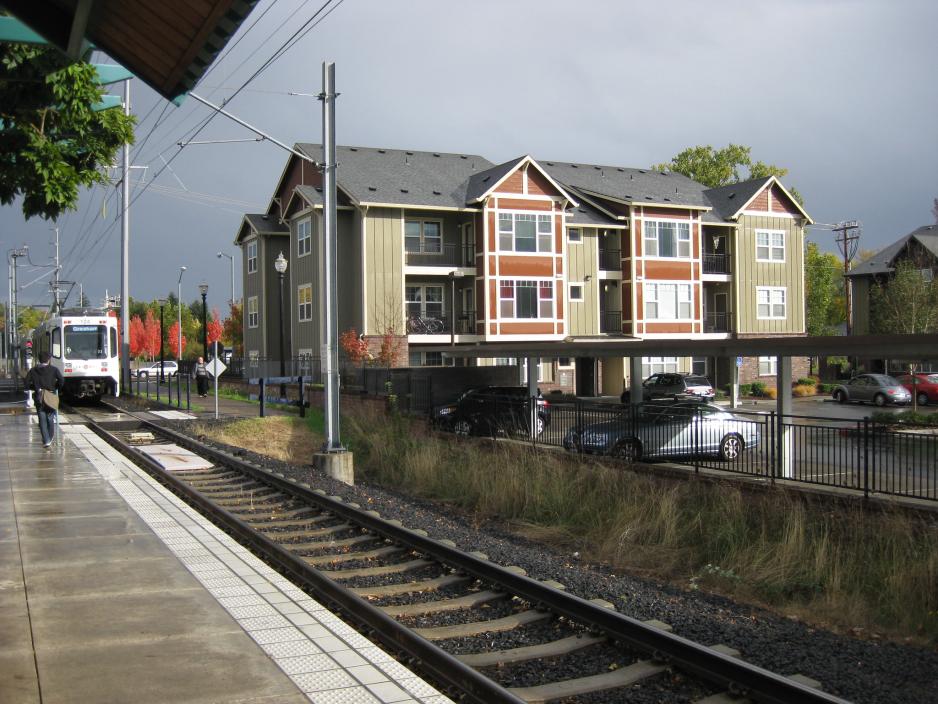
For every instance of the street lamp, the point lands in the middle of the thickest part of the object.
(162, 302)
(182, 270)
(280, 264)
(203, 289)
(231, 262)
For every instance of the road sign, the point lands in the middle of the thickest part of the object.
(215, 367)
(739, 361)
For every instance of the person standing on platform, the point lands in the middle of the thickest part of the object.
(201, 377)
(44, 379)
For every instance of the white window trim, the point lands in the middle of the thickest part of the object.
(771, 247)
(771, 362)
(537, 233)
(422, 222)
(252, 303)
(690, 239)
(570, 286)
(677, 307)
(252, 245)
(772, 304)
(579, 231)
(308, 239)
(571, 363)
(423, 299)
(659, 365)
(300, 305)
(539, 279)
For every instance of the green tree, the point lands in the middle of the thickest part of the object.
(720, 167)
(823, 284)
(907, 303)
(27, 319)
(53, 143)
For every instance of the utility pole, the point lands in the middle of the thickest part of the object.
(14, 336)
(125, 252)
(848, 241)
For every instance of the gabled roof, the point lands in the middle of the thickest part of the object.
(400, 177)
(731, 200)
(260, 224)
(487, 182)
(310, 194)
(883, 262)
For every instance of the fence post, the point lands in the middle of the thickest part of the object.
(263, 396)
(697, 417)
(188, 398)
(578, 421)
(302, 400)
(178, 390)
(773, 428)
(866, 457)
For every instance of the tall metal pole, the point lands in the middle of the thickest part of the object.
(162, 378)
(182, 270)
(330, 357)
(204, 328)
(125, 251)
(283, 344)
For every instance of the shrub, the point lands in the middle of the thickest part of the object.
(826, 388)
(801, 390)
(806, 381)
(758, 388)
(745, 390)
(770, 392)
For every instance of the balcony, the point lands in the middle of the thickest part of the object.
(610, 259)
(610, 322)
(717, 263)
(717, 322)
(432, 325)
(446, 255)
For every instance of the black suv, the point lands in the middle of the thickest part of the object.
(492, 410)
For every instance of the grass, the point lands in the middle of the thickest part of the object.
(847, 568)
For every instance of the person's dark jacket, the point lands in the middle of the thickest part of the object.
(44, 376)
(199, 370)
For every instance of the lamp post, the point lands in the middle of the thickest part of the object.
(182, 270)
(280, 264)
(203, 289)
(231, 262)
(162, 302)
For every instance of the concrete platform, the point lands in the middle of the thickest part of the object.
(112, 590)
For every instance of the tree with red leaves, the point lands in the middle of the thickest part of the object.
(214, 329)
(137, 337)
(174, 340)
(356, 349)
(151, 335)
(234, 330)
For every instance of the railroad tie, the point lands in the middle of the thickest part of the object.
(325, 560)
(382, 571)
(468, 601)
(623, 677)
(475, 628)
(290, 523)
(316, 533)
(427, 585)
(329, 544)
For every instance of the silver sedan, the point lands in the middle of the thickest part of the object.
(876, 388)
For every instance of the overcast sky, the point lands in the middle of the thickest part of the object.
(843, 93)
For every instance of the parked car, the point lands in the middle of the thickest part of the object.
(657, 429)
(924, 385)
(672, 385)
(169, 369)
(877, 388)
(491, 410)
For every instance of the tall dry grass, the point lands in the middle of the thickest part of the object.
(847, 568)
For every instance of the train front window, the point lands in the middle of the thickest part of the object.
(86, 341)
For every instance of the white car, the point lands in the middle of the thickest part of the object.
(169, 369)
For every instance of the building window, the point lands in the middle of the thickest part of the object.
(658, 365)
(304, 237)
(252, 257)
(699, 366)
(576, 292)
(423, 236)
(525, 232)
(770, 303)
(304, 299)
(667, 239)
(574, 234)
(429, 359)
(668, 302)
(526, 299)
(768, 366)
(770, 246)
(252, 312)
(565, 362)
(424, 302)
(506, 361)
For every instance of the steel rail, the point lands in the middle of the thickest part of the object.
(733, 674)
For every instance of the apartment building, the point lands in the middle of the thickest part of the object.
(441, 248)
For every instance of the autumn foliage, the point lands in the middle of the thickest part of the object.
(213, 330)
(174, 340)
(356, 349)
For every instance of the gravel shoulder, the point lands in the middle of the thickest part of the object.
(863, 671)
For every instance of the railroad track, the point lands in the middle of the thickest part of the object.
(482, 632)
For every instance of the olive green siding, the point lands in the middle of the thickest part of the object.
(349, 270)
(384, 273)
(750, 274)
(269, 301)
(583, 261)
(860, 290)
(252, 287)
(304, 270)
(264, 339)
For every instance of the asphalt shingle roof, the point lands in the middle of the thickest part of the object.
(403, 177)
(481, 182)
(883, 262)
(266, 225)
(727, 200)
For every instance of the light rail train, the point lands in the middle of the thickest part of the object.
(83, 343)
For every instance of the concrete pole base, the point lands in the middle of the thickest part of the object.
(338, 465)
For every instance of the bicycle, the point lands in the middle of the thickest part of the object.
(425, 326)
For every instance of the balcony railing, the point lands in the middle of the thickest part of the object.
(429, 254)
(717, 322)
(717, 263)
(610, 259)
(611, 322)
(432, 325)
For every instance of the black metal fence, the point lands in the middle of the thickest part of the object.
(859, 455)
(717, 263)
(436, 254)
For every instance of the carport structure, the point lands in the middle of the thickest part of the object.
(781, 348)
